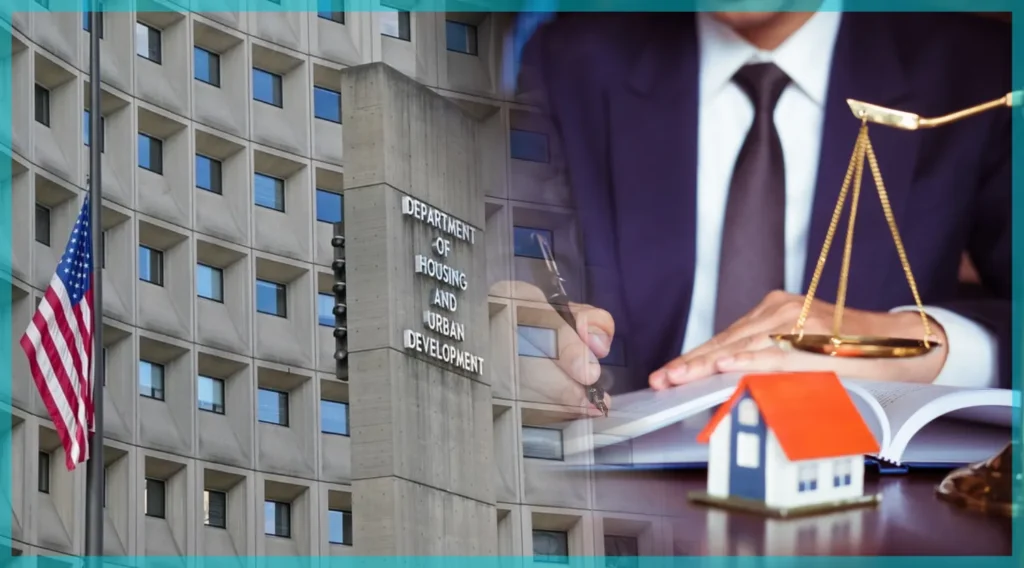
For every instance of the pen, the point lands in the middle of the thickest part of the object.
(556, 293)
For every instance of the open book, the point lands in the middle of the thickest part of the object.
(915, 424)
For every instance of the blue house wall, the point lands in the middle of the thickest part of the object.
(745, 482)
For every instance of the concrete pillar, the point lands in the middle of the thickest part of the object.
(421, 416)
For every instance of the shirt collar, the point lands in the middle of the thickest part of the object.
(806, 56)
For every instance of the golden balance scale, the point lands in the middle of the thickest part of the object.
(986, 486)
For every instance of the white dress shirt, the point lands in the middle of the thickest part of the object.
(726, 115)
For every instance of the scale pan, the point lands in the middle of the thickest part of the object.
(856, 346)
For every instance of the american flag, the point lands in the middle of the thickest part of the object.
(58, 343)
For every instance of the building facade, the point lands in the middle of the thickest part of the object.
(227, 427)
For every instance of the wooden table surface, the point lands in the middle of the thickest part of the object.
(910, 520)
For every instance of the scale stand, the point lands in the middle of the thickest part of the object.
(836, 344)
(986, 486)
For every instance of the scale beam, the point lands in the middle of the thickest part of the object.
(910, 121)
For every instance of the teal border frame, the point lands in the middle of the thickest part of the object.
(7, 334)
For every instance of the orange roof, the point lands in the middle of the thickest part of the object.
(811, 414)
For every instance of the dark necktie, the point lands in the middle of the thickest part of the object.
(753, 254)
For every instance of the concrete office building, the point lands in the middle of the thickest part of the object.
(227, 429)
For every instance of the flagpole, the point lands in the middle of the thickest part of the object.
(95, 469)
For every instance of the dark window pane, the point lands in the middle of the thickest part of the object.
(148, 42)
(151, 380)
(537, 341)
(329, 206)
(151, 154)
(333, 10)
(211, 394)
(268, 192)
(207, 66)
(528, 146)
(154, 498)
(334, 417)
(327, 104)
(277, 519)
(266, 87)
(215, 504)
(208, 174)
(542, 443)
(42, 225)
(461, 37)
(394, 23)
(526, 242)
(273, 407)
(325, 309)
(621, 551)
(151, 265)
(209, 283)
(271, 298)
(44, 472)
(551, 546)
(339, 527)
(42, 105)
(87, 130)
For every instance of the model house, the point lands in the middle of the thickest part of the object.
(786, 442)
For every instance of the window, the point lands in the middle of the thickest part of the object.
(277, 518)
(271, 298)
(87, 23)
(147, 42)
(537, 342)
(746, 412)
(215, 505)
(621, 551)
(151, 380)
(325, 309)
(44, 472)
(269, 192)
(208, 174)
(334, 417)
(266, 87)
(329, 206)
(209, 283)
(842, 474)
(528, 146)
(748, 450)
(551, 546)
(211, 394)
(153, 498)
(395, 23)
(339, 527)
(327, 104)
(807, 477)
(542, 443)
(526, 242)
(87, 130)
(42, 225)
(207, 66)
(151, 154)
(273, 407)
(151, 265)
(333, 10)
(42, 105)
(461, 37)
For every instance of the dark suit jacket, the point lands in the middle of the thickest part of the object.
(619, 94)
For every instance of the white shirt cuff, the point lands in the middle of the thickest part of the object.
(972, 353)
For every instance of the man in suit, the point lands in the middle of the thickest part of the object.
(704, 155)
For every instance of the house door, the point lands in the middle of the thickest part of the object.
(747, 451)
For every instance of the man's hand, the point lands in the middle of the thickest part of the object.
(746, 345)
(578, 353)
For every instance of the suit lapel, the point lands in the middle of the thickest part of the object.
(653, 134)
(865, 67)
